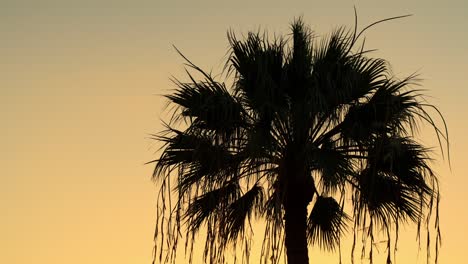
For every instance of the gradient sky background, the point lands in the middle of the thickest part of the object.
(79, 85)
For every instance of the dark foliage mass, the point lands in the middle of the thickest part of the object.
(305, 127)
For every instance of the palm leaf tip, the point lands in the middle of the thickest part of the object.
(327, 223)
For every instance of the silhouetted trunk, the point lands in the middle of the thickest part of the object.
(297, 188)
(298, 196)
(296, 233)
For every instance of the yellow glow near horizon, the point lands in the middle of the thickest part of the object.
(80, 85)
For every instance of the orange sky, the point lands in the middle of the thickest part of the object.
(79, 84)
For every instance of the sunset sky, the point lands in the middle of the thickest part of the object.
(80, 86)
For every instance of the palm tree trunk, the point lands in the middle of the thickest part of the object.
(296, 233)
(298, 190)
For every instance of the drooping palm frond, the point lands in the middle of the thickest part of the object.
(397, 182)
(240, 211)
(208, 203)
(333, 165)
(406, 160)
(198, 159)
(386, 199)
(327, 223)
(226, 211)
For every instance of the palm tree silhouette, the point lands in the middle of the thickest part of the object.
(304, 123)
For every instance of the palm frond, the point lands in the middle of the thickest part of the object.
(239, 211)
(209, 203)
(333, 165)
(199, 160)
(386, 199)
(327, 223)
(258, 64)
(405, 159)
(299, 63)
(332, 65)
(389, 108)
(209, 106)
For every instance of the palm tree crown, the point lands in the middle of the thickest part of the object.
(305, 125)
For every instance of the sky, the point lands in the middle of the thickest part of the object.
(80, 93)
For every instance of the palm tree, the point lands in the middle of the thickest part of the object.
(303, 126)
